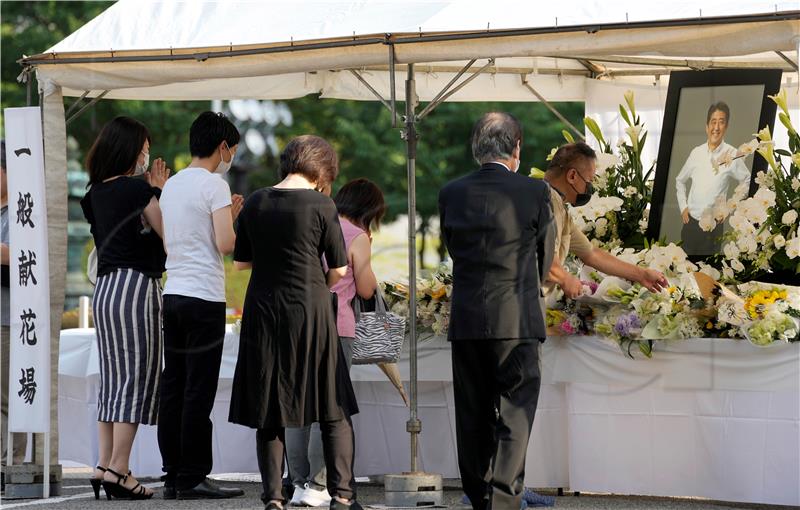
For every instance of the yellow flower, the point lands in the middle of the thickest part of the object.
(796, 159)
(629, 100)
(764, 135)
(709, 325)
(780, 100)
(536, 173)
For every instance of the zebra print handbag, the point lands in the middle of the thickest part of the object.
(379, 334)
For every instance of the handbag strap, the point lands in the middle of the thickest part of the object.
(380, 303)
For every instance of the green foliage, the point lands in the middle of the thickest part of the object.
(361, 132)
(29, 28)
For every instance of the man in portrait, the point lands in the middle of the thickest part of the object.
(710, 171)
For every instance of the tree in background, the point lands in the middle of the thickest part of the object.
(361, 132)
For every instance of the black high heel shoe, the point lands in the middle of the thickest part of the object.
(119, 491)
(97, 482)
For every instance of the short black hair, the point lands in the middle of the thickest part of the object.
(495, 136)
(568, 155)
(209, 130)
(719, 106)
(361, 201)
(312, 157)
(3, 154)
(116, 149)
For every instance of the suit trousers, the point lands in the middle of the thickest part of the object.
(496, 388)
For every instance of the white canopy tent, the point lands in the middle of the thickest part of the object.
(498, 51)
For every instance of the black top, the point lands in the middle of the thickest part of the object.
(114, 212)
(291, 369)
(498, 229)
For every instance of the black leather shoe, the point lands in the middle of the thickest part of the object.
(208, 490)
(169, 492)
(338, 505)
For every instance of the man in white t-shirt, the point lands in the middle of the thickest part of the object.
(712, 171)
(198, 213)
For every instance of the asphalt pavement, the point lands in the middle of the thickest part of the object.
(77, 494)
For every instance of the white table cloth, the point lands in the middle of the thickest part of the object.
(707, 418)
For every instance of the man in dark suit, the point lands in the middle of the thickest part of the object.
(497, 226)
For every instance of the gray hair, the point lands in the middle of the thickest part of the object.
(495, 136)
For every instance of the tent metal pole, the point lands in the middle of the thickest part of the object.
(392, 85)
(371, 89)
(414, 425)
(86, 106)
(788, 60)
(76, 104)
(551, 108)
(435, 101)
(443, 97)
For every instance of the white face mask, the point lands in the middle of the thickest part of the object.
(223, 166)
(141, 169)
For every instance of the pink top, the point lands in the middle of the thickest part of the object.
(345, 288)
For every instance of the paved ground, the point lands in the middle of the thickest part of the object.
(78, 495)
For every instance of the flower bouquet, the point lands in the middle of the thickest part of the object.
(764, 242)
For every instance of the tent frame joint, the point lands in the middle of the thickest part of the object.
(446, 92)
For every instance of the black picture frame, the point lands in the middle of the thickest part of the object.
(680, 80)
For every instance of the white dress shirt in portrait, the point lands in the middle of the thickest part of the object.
(706, 183)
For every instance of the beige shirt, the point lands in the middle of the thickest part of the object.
(569, 237)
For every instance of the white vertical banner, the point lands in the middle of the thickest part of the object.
(29, 367)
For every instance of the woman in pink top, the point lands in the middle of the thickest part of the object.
(361, 207)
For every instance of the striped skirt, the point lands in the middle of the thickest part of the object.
(127, 318)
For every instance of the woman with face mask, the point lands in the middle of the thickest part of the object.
(125, 219)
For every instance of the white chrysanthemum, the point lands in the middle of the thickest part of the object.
(601, 181)
(731, 251)
(793, 247)
(737, 265)
(605, 161)
(643, 224)
(748, 148)
(741, 191)
(765, 179)
(709, 270)
(789, 217)
(720, 209)
(795, 184)
(707, 221)
(747, 243)
(727, 272)
(629, 191)
(765, 197)
(601, 227)
(779, 241)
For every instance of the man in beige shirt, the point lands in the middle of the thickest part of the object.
(570, 175)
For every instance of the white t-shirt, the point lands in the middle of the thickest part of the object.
(706, 184)
(194, 264)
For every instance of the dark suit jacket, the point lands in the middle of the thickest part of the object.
(498, 228)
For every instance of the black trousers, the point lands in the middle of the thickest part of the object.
(496, 388)
(697, 241)
(338, 449)
(194, 333)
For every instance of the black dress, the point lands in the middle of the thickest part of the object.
(291, 370)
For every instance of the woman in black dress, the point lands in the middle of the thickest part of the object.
(291, 370)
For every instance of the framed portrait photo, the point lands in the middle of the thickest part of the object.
(708, 116)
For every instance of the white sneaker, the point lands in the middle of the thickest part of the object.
(298, 496)
(314, 497)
